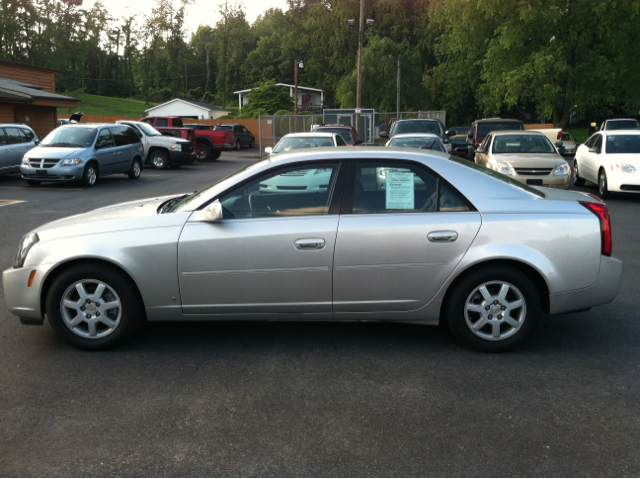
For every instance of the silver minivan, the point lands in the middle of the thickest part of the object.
(15, 141)
(83, 153)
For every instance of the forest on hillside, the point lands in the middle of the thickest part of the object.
(537, 59)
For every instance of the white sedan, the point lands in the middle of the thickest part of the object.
(610, 159)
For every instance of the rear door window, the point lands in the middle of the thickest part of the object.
(28, 134)
(3, 138)
(162, 122)
(15, 136)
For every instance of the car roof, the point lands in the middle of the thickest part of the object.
(310, 134)
(13, 125)
(415, 135)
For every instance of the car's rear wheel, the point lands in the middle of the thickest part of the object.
(238, 145)
(603, 185)
(493, 309)
(159, 159)
(204, 152)
(90, 175)
(577, 181)
(135, 170)
(33, 182)
(94, 306)
(253, 143)
(215, 154)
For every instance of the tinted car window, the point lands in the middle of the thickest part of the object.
(120, 135)
(418, 126)
(620, 144)
(623, 125)
(343, 132)
(340, 141)
(293, 191)
(28, 134)
(14, 136)
(567, 137)
(132, 136)
(162, 122)
(177, 122)
(105, 140)
(299, 142)
(522, 144)
(3, 138)
(485, 128)
(424, 143)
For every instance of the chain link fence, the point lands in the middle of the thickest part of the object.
(272, 128)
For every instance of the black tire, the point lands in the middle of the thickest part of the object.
(159, 159)
(215, 154)
(577, 181)
(238, 145)
(135, 170)
(603, 185)
(33, 182)
(511, 330)
(205, 152)
(253, 143)
(90, 175)
(115, 326)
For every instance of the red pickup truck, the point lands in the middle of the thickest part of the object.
(210, 143)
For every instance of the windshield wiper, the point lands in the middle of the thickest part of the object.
(62, 144)
(166, 206)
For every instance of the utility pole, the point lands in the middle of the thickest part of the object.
(186, 79)
(398, 89)
(361, 31)
(295, 86)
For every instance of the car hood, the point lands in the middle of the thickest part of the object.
(138, 214)
(54, 152)
(631, 158)
(168, 140)
(529, 160)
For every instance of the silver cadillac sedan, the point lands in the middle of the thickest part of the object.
(344, 234)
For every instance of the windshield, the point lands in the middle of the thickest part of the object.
(74, 136)
(567, 137)
(424, 143)
(499, 176)
(417, 126)
(620, 144)
(185, 200)
(345, 133)
(485, 128)
(623, 125)
(299, 142)
(148, 130)
(522, 144)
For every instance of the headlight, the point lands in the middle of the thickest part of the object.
(71, 161)
(23, 250)
(504, 169)
(562, 170)
(624, 168)
(25, 160)
(176, 147)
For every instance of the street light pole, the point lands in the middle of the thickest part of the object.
(361, 31)
(295, 86)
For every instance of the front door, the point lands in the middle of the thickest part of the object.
(407, 231)
(591, 159)
(272, 252)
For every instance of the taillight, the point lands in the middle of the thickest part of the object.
(559, 137)
(602, 212)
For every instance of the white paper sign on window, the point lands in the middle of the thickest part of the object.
(399, 190)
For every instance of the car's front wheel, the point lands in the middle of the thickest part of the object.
(94, 306)
(577, 181)
(90, 175)
(159, 159)
(493, 309)
(603, 185)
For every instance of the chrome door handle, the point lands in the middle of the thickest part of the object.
(310, 243)
(442, 236)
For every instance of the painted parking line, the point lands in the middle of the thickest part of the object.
(31, 188)
(9, 202)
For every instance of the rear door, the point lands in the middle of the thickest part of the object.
(18, 146)
(127, 145)
(402, 232)
(5, 151)
(105, 152)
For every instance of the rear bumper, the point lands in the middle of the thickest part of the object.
(603, 291)
(181, 158)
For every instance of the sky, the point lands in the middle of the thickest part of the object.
(200, 12)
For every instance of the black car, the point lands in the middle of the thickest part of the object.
(243, 136)
(457, 136)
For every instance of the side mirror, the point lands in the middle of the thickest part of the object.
(36, 141)
(480, 149)
(470, 134)
(358, 141)
(213, 213)
(595, 150)
(384, 134)
(268, 150)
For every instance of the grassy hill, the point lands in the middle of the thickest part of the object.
(108, 106)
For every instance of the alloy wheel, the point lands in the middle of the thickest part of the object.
(495, 310)
(91, 308)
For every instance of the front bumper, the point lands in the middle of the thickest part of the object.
(19, 298)
(548, 181)
(182, 158)
(603, 291)
(623, 182)
(57, 173)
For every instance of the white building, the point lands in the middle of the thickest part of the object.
(310, 99)
(181, 108)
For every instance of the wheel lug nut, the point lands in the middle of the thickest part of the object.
(503, 308)
(88, 301)
(495, 302)
(487, 308)
(97, 305)
(88, 316)
(97, 315)
(499, 316)
(490, 317)
(82, 308)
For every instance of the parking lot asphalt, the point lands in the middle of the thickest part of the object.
(314, 399)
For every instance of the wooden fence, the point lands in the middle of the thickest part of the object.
(250, 124)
